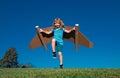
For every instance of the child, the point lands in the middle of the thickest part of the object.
(58, 29)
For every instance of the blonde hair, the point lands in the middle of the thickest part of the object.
(58, 20)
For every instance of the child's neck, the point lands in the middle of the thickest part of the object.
(57, 28)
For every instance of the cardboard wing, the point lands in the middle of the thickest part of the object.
(41, 39)
(77, 37)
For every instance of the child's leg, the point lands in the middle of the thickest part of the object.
(53, 48)
(53, 45)
(59, 48)
(60, 58)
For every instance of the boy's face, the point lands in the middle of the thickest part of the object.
(57, 25)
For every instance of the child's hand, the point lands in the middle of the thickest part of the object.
(73, 28)
(41, 30)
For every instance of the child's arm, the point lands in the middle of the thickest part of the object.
(47, 32)
(68, 31)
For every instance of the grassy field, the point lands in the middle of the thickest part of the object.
(59, 73)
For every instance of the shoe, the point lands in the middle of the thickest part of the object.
(54, 54)
(61, 66)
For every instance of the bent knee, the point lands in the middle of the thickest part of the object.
(59, 53)
(53, 40)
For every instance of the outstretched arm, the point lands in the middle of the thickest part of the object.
(47, 32)
(68, 31)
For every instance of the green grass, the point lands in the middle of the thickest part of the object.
(59, 73)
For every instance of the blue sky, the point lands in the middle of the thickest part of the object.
(99, 21)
